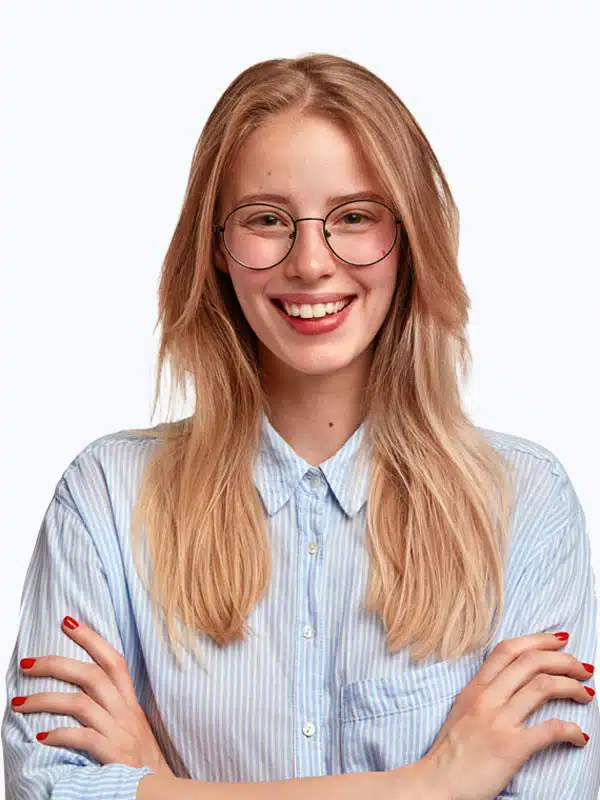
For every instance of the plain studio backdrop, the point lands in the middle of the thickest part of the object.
(102, 105)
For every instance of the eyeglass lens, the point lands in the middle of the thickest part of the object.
(260, 236)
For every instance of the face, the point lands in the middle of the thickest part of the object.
(308, 160)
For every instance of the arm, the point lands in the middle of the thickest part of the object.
(65, 576)
(554, 590)
(405, 783)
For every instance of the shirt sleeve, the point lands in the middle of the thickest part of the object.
(556, 591)
(65, 576)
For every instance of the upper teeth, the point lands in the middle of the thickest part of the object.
(318, 310)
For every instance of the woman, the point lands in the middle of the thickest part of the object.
(363, 580)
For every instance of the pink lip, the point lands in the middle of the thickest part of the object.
(321, 325)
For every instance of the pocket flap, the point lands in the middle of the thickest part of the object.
(415, 687)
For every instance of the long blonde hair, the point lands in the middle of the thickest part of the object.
(440, 497)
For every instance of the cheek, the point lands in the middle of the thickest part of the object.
(248, 285)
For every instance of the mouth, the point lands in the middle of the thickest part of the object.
(279, 303)
(325, 324)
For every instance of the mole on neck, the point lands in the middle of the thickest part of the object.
(331, 424)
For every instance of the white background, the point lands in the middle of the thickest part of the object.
(102, 105)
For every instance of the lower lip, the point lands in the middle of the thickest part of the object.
(321, 325)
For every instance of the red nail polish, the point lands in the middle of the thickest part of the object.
(27, 663)
(41, 736)
(18, 701)
(589, 690)
(589, 667)
(563, 636)
(586, 737)
(70, 623)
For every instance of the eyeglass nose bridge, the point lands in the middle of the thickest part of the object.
(292, 235)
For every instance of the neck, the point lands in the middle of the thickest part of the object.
(315, 414)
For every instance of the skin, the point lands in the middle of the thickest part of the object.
(113, 726)
(314, 383)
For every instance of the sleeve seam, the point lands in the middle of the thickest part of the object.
(73, 514)
(551, 542)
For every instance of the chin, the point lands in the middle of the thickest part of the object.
(318, 367)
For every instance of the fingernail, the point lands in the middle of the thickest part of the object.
(71, 623)
(589, 690)
(42, 735)
(589, 667)
(586, 737)
(27, 663)
(18, 701)
(563, 636)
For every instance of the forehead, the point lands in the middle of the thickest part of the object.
(305, 157)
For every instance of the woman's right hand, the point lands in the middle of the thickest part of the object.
(482, 742)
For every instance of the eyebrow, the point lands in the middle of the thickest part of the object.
(333, 200)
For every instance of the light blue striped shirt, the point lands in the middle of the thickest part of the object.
(314, 690)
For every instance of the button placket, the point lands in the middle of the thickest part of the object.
(308, 708)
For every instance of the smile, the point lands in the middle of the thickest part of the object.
(329, 316)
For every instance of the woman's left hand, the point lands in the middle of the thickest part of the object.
(115, 727)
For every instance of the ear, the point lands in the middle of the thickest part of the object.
(220, 260)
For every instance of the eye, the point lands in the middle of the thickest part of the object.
(266, 223)
(354, 214)
(352, 219)
(269, 218)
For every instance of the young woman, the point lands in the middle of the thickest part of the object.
(363, 581)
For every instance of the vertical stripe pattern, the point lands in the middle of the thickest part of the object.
(314, 690)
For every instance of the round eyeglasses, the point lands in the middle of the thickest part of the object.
(261, 235)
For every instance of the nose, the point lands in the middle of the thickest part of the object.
(310, 256)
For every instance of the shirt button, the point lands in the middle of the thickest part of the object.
(313, 547)
(307, 631)
(308, 729)
(315, 482)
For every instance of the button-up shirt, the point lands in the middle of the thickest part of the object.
(314, 690)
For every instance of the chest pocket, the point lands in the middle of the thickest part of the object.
(392, 721)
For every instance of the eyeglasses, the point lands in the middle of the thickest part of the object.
(261, 235)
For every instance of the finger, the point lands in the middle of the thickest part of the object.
(110, 660)
(98, 746)
(536, 693)
(547, 733)
(89, 677)
(73, 704)
(533, 666)
(508, 650)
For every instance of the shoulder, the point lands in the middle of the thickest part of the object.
(536, 467)
(127, 442)
(524, 452)
(546, 505)
(100, 483)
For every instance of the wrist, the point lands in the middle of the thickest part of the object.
(419, 779)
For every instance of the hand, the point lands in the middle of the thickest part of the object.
(115, 730)
(482, 744)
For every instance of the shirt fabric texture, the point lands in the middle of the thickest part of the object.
(314, 690)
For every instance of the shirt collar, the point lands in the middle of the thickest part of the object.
(278, 469)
